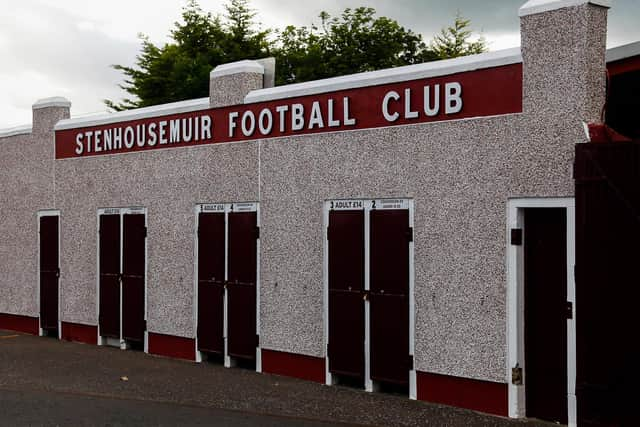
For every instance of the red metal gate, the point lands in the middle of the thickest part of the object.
(109, 247)
(211, 266)
(545, 289)
(241, 284)
(389, 295)
(133, 272)
(346, 293)
(607, 236)
(49, 273)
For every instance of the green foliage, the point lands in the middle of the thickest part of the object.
(356, 41)
(180, 70)
(455, 41)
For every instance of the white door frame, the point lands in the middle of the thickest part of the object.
(137, 210)
(367, 205)
(515, 302)
(40, 214)
(226, 208)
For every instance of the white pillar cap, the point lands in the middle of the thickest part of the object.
(539, 6)
(244, 66)
(56, 101)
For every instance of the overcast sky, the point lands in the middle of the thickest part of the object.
(65, 48)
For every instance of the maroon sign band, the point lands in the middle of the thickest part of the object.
(487, 92)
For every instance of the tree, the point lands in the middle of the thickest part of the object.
(356, 41)
(180, 70)
(455, 41)
(353, 42)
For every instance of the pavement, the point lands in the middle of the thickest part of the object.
(46, 382)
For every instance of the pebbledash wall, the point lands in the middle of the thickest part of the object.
(522, 113)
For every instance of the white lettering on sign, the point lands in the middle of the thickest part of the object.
(213, 208)
(390, 117)
(248, 123)
(346, 205)
(145, 135)
(453, 93)
(265, 126)
(293, 117)
(413, 102)
(430, 103)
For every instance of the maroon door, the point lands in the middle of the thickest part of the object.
(109, 247)
(241, 286)
(211, 264)
(133, 269)
(49, 273)
(389, 295)
(545, 269)
(346, 287)
(607, 293)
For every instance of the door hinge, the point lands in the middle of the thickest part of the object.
(328, 233)
(257, 233)
(411, 367)
(145, 325)
(328, 351)
(569, 310)
(144, 230)
(516, 236)
(257, 340)
(410, 234)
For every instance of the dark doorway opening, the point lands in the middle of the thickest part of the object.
(545, 272)
(49, 275)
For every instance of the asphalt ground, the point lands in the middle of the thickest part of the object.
(46, 382)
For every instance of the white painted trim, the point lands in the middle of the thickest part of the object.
(539, 6)
(137, 114)
(368, 383)
(244, 66)
(366, 205)
(138, 210)
(258, 348)
(17, 130)
(194, 301)
(227, 208)
(390, 75)
(515, 301)
(225, 300)
(619, 53)
(99, 338)
(413, 381)
(40, 214)
(325, 291)
(571, 324)
(56, 101)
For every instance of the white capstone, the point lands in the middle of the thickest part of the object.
(56, 101)
(539, 6)
(18, 130)
(390, 75)
(244, 66)
(619, 53)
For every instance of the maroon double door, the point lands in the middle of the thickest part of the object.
(49, 274)
(240, 284)
(126, 278)
(388, 296)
